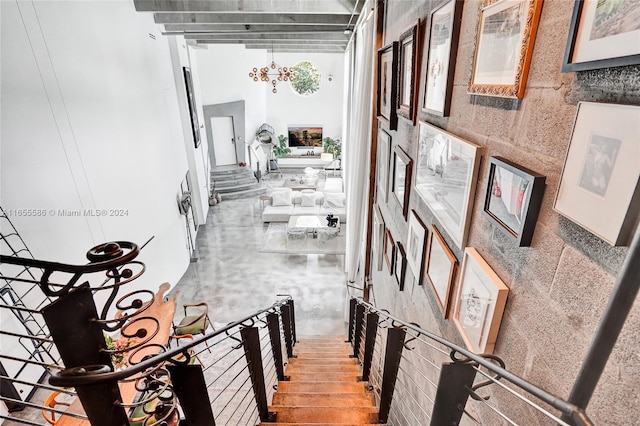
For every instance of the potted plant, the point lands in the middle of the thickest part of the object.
(282, 148)
(333, 146)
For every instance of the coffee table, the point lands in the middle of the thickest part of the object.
(295, 185)
(311, 225)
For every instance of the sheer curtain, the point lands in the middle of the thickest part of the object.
(358, 137)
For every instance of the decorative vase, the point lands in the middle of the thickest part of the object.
(218, 197)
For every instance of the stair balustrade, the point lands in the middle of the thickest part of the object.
(227, 376)
(419, 378)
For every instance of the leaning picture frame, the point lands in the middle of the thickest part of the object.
(400, 266)
(191, 101)
(600, 181)
(512, 200)
(504, 45)
(387, 93)
(446, 177)
(479, 303)
(389, 250)
(440, 269)
(378, 239)
(602, 35)
(444, 33)
(401, 185)
(416, 245)
(407, 64)
(382, 164)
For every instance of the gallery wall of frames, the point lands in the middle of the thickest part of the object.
(507, 179)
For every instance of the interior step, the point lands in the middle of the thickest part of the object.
(233, 182)
(322, 361)
(315, 368)
(243, 194)
(321, 387)
(236, 188)
(329, 376)
(316, 424)
(325, 415)
(326, 399)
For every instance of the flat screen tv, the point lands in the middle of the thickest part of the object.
(305, 136)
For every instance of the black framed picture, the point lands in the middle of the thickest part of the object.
(407, 65)
(193, 111)
(400, 267)
(513, 199)
(387, 94)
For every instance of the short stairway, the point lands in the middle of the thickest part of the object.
(323, 386)
(233, 182)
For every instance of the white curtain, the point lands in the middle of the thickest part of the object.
(358, 138)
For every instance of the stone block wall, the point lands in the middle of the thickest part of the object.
(560, 285)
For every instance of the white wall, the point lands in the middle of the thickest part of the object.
(90, 120)
(323, 108)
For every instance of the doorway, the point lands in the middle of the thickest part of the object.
(232, 114)
(224, 140)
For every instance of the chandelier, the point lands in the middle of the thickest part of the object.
(273, 74)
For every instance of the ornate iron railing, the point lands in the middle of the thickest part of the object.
(226, 376)
(419, 378)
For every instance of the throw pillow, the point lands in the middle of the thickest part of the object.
(333, 200)
(308, 199)
(281, 198)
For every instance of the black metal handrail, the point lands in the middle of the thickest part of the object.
(371, 348)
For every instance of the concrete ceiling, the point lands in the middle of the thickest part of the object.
(278, 25)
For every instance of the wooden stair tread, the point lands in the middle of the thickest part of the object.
(322, 399)
(327, 414)
(318, 386)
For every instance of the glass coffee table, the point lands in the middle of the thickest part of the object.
(315, 226)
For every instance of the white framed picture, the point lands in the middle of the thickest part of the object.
(416, 244)
(599, 185)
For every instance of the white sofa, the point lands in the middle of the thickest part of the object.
(285, 203)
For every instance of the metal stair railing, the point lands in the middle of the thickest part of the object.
(419, 378)
(227, 376)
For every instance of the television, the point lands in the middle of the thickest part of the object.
(305, 136)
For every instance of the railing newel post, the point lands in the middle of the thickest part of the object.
(288, 329)
(294, 337)
(352, 317)
(392, 357)
(456, 378)
(251, 342)
(357, 338)
(369, 344)
(189, 386)
(273, 323)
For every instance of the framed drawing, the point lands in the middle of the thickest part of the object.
(416, 244)
(479, 303)
(504, 45)
(389, 250)
(401, 186)
(446, 178)
(193, 111)
(602, 35)
(382, 164)
(443, 46)
(407, 63)
(400, 267)
(512, 199)
(600, 181)
(378, 238)
(387, 96)
(440, 269)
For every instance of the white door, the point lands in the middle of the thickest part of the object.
(224, 141)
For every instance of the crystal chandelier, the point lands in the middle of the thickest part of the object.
(272, 74)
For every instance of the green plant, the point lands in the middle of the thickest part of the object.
(307, 79)
(333, 146)
(282, 148)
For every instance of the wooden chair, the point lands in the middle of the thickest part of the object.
(51, 402)
(195, 323)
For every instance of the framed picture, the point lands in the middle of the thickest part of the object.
(416, 244)
(382, 164)
(443, 47)
(603, 34)
(440, 269)
(446, 178)
(387, 96)
(378, 238)
(408, 62)
(600, 182)
(193, 111)
(304, 136)
(389, 250)
(512, 199)
(504, 45)
(479, 303)
(401, 187)
(400, 267)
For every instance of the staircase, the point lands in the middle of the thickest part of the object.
(323, 386)
(233, 182)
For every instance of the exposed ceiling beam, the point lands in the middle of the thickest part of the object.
(269, 37)
(242, 28)
(296, 47)
(222, 6)
(275, 42)
(254, 18)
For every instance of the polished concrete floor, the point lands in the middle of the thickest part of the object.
(236, 280)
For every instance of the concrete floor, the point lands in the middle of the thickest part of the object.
(236, 280)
